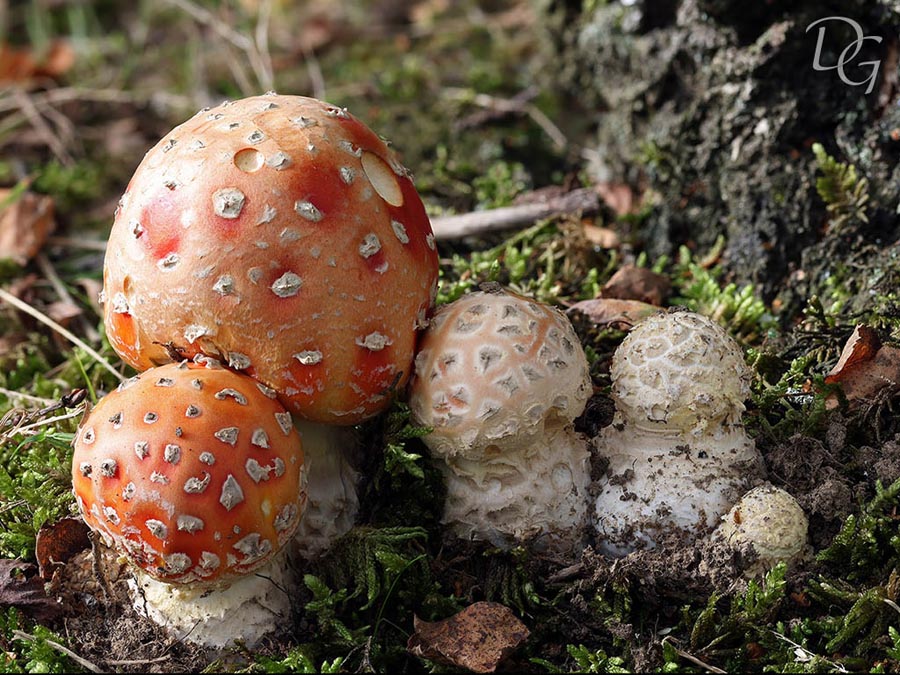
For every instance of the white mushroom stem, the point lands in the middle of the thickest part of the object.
(332, 500)
(678, 454)
(662, 483)
(249, 608)
(500, 378)
(537, 492)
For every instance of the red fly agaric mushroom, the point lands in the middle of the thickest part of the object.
(500, 379)
(678, 454)
(282, 236)
(196, 476)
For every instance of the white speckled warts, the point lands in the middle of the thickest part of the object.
(771, 521)
(500, 378)
(678, 453)
(272, 227)
(181, 495)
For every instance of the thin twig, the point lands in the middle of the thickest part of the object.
(693, 659)
(242, 42)
(514, 106)
(26, 105)
(51, 97)
(137, 662)
(71, 337)
(44, 422)
(86, 244)
(808, 654)
(583, 200)
(50, 272)
(83, 662)
(28, 397)
(314, 70)
(892, 604)
(261, 38)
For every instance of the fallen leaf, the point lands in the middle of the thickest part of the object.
(861, 346)
(613, 312)
(25, 223)
(864, 368)
(637, 283)
(58, 542)
(63, 311)
(478, 638)
(603, 237)
(24, 590)
(619, 197)
(20, 64)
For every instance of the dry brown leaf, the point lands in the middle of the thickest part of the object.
(19, 64)
(613, 312)
(861, 346)
(58, 542)
(619, 197)
(25, 225)
(601, 236)
(864, 368)
(21, 588)
(638, 283)
(478, 638)
(63, 311)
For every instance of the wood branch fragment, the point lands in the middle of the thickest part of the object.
(83, 662)
(584, 201)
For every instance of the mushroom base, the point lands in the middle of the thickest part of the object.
(537, 495)
(657, 485)
(332, 501)
(247, 610)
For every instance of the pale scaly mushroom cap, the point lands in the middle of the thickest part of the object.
(281, 235)
(494, 369)
(771, 521)
(679, 372)
(192, 473)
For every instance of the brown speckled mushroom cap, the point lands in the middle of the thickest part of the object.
(493, 371)
(193, 473)
(282, 236)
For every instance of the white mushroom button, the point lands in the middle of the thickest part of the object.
(771, 522)
(678, 455)
(500, 379)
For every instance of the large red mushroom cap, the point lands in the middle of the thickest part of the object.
(192, 472)
(282, 236)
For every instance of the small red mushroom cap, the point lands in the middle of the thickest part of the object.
(191, 472)
(281, 235)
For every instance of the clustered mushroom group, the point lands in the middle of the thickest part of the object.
(277, 246)
(271, 273)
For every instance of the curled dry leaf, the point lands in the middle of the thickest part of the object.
(638, 283)
(613, 312)
(23, 64)
(619, 197)
(21, 588)
(865, 367)
(25, 223)
(478, 638)
(58, 542)
(603, 237)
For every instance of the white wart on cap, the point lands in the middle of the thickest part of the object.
(193, 474)
(282, 236)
